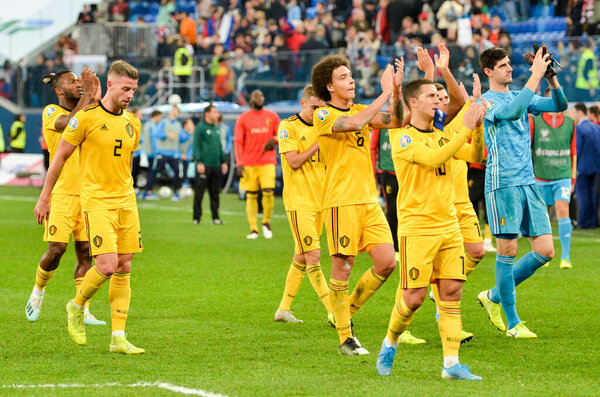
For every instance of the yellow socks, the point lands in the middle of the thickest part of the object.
(400, 319)
(42, 278)
(77, 282)
(292, 284)
(338, 295)
(119, 295)
(90, 284)
(450, 326)
(470, 263)
(268, 203)
(368, 284)
(252, 210)
(317, 279)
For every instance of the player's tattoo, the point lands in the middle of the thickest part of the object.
(386, 118)
(398, 110)
(340, 124)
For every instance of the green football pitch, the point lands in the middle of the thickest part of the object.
(203, 304)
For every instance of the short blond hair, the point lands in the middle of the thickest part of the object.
(122, 68)
(439, 86)
(308, 92)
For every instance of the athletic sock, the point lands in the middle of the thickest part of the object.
(317, 279)
(293, 282)
(268, 203)
(252, 210)
(368, 284)
(338, 295)
(77, 283)
(450, 326)
(399, 320)
(527, 265)
(119, 295)
(470, 263)
(504, 291)
(565, 230)
(42, 278)
(92, 281)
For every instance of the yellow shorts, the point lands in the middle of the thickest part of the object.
(468, 222)
(306, 229)
(354, 228)
(424, 259)
(114, 230)
(258, 177)
(65, 218)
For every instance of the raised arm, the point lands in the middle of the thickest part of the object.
(63, 152)
(557, 103)
(91, 92)
(396, 118)
(442, 63)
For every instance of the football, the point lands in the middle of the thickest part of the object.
(165, 192)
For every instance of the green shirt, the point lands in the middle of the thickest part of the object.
(384, 159)
(551, 149)
(207, 145)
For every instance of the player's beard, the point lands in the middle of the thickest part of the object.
(256, 106)
(73, 96)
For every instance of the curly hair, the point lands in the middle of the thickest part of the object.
(322, 74)
(490, 57)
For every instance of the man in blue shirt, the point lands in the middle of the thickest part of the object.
(150, 131)
(588, 166)
(513, 202)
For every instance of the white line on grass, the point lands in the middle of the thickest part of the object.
(159, 385)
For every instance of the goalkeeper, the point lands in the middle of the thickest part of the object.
(513, 202)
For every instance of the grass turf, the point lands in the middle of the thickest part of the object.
(203, 304)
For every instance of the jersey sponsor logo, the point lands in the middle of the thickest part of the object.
(344, 241)
(50, 111)
(322, 114)
(283, 135)
(308, 240)
(413, 273)
(97, 241)
(52, 230)
(405, 140)
(544, 132)
(129, 129)
(73, 123)
(490, 104)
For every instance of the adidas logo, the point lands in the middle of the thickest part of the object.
(104, 127)
(303, 139)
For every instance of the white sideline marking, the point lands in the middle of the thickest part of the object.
(159, 385)
(145, 205)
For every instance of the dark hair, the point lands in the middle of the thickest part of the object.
(412, 89)
(595, 110)
(490, 57)
(207, 109)
(18, 116)
(155, 113)
(52, 79)
(322, 74)
(581, 107)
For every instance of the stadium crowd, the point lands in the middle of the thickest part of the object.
(280, 40)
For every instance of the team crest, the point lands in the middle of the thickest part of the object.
(129, 129)
(502, 221)
(50, 111)
(405, 140)
(413, 273)
(97, 241)
(490, 104)
(322, 114)
(73, 123)
(283, 135)
(52, 230)
(443, 140)
(268, 121)
(344, 241)
(307, 240)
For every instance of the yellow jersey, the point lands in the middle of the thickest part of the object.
(425, 202)
(303, 187)
(106, 143)
(68, 180)
(348, 169)
(459, 167)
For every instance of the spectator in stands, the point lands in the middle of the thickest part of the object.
(496, 30)
(187, 27)
(587, 73)
(119, 11)
(588, 167)
(18, 135)
(277, 10)
(163, 48)
(382, 25)
(87, 15)
(224, 78)
(397, 10)
(294, 12)
(594, 114)
(167, 7)
(448, 15)
(182, 68)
